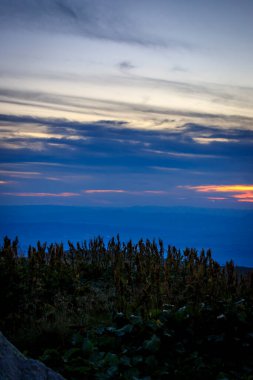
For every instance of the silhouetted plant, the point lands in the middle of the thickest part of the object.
(51, 293)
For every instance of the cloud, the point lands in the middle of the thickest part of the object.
(4, 182)
(80, 105)
(108, 158)
(101, 191)
(66, 9)
(217, 198)
(19, 145)
(182, 141)
(183, 154)
(125, 192)
(220, 188)
(125, 66)
(19, 174)
(120, 144)
(42, 195)
(164, 169)
(155, 192)
(240, 192)
(209, 140)
(110, 20)
(179, 68)
(246, 200)
(228, 95)
(244, 197)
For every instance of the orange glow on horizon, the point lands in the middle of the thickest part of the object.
(221, 188)
(242, 193)
(245, 200)
(244, 197)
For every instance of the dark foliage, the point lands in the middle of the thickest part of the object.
(172, 314)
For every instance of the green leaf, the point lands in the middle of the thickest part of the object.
(151, 361)
(87, 345)
(72, 353)
(51, 357)
(136, 320)
(111, 359)
(222, 376)
(82, 370)
(125, 361)
(112, 371)
(137, 360)
(152, 344)
(131, 373)
(77, 339)
(127, 329)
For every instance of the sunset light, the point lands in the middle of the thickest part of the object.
(241, 193)
(126, 189)
(127, 105)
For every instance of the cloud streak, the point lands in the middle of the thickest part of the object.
(43, 195)
(4, 182)
(113, 159)
(101, 191)
(87, 106)
(217, 198)
(120, 191)
(19, 174)
(221, 188)
(110, 21)
(240, 192)
(209, 140)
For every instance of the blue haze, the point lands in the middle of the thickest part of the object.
(227, 232)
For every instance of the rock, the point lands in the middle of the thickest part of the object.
(15, 366)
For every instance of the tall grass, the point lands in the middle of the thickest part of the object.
(91, 278)
(52, 293)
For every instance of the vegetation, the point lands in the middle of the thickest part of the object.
(128, 311)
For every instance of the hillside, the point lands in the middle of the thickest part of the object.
(128, 311)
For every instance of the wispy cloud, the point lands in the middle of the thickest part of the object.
(120, 191)
(220, 188)
(217, 198)
(101, 191)
(110, 21)
(114, 159)
(84, 105)
(183, 154)
(4, 182)
(155, 192)
(238, 192)
(209, 140)
(13, 144)
(19, 174)
(126, 66)
(244, 197)
(42, 195)
(245, 200)
(102, 139)
(179, 68)
(164, 168)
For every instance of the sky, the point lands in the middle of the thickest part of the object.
(122, 103)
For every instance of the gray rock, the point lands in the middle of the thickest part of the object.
(15, 366)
